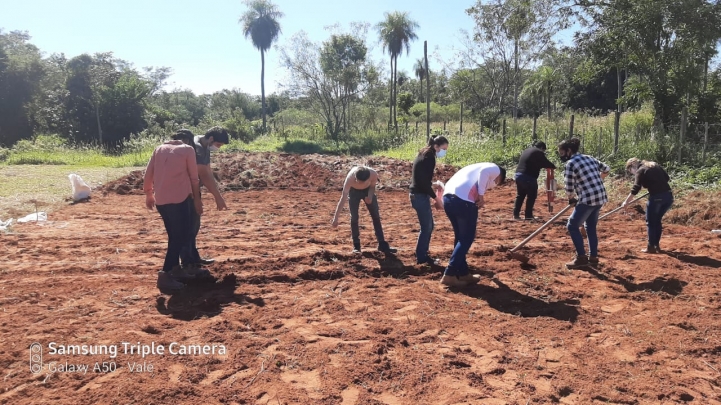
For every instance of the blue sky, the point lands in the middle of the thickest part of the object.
(202, 41)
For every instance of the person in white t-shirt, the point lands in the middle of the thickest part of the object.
(463, 196)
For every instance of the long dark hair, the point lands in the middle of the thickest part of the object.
(570, 144)
(439, 140)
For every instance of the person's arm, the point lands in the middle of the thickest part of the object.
(372, 187)
(148, 183)
(569, 179)
(635, 189)
(545, 163)
(194, 182)
(604, 168)
(343, 198)
(206, 176)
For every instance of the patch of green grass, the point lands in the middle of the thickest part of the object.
(47, 184)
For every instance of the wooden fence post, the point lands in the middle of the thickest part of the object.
(705, 143)
(504, 132)
(535, 118)
(616, 130)
(570, 127)
(600, 139)
(682, 133)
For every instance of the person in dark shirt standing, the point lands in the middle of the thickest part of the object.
(422, 194)
(529, 167)
(660, 198)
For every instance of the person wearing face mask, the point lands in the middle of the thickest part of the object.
(585, 191)
(213, 139)
(660, 198)
(463, 196)
(171, 185)
(422, 195)
(529, 167)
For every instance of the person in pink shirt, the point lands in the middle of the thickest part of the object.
(463, 196)
(171, 186)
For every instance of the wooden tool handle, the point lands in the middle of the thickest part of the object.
(539, 230)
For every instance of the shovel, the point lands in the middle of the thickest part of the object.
(524, 259)
(583, 230)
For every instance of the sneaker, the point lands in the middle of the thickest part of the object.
(650, 249)
(167, 284)
(578, 262)
(188, 272)
(429, 261)
(387, 249)
(531, 218)
(207, 261)
(593, 259)
(356, 251)
(460, 281)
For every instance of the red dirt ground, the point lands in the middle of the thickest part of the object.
(307, 322)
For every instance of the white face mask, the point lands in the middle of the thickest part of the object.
(441, 153)
(213, 148)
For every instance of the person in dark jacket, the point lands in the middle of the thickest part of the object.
(529, 167)
(660, 198)
(422, 195)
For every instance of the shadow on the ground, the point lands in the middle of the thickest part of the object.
(507, 300)
(391, 266)
(703, 261)
(671, 286)
(205, 300)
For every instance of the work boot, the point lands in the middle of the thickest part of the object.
(649, 249)
(167, 285)
(385, 248)
(186, 273)
(578, 262)
(593, 259)
(196, 271)
(460, 281)
(517, 218)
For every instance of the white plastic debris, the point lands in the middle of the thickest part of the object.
(36, 217)
(4, 225)
(81, 190)
(716, 231)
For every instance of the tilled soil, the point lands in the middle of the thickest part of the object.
(305, 321)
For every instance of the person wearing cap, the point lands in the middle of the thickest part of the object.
(529, 167)
(650, 175)
(171, 185)
(463, 196)
(360, 184)
(213, 140)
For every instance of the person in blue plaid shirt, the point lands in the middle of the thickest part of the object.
(585, 191)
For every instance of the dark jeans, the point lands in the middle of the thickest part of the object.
(422, 204)
(464, 217)
(354, 199)
(586, 215)
(176, 218)
(526, 187)
(656, 207)
(190, 254)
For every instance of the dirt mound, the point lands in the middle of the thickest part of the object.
(242, 171)
(130, 184)
(698, 208)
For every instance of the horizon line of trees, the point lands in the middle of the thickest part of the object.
(627, 54)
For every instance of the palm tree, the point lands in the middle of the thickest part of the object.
(549, 78)
(420, 70)
(260, 24)
(396, 33)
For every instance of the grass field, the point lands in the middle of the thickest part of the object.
(47, 184)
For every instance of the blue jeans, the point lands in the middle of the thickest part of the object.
(586, 215)
(464, 218)
(354, 199)
(526, 186)
(190, 253)
(177, 221)
(422, 204)
(656, 207)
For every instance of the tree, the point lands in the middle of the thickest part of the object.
(260, 24)
(667, 42)
(515, 33)
(317, 75)
(396, 33)
(420, 71)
